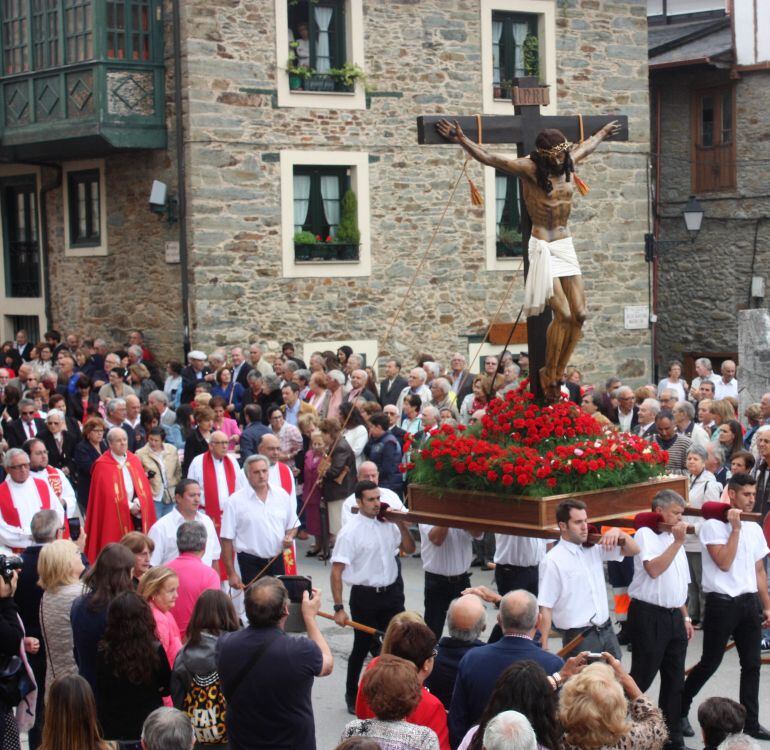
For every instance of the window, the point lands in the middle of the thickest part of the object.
(78, 30)
(515, 50)
(714, 149)
(518, 38)
(85, 220)
(317, 44)
(128, 29)
(15, 50)
(325, 227)
(320, 54)
(507, 218)
(45, 33)
(84, 208)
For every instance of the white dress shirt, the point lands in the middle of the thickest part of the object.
(723, 390)
(741, 578)
(274, 477)
(255, 526)
(127, 481)
(365, 546)
(572, 584)
(523, 551)
(26, 500)
(452, 558)
(669, 589)
(624, 420)
(68, 497)
(386, 496)
(196, 472)
(163, 533)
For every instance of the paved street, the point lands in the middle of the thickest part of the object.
(328, 694)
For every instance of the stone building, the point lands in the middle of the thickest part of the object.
(271, 149)
(709, 88)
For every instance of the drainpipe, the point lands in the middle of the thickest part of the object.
(54, 184)
(180, 172)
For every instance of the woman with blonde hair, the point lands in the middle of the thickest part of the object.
(594, 708)
(59, 568)
(159, 587)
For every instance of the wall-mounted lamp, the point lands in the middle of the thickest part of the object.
(162, 203)
(693, 219)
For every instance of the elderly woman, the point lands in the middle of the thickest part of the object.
(115, 386)
(319, 393)
(703, 488)
(59, 442)
(473, 402)
(392, 689)
(84, 455)
(442, 396)
(674, 381)
(160, 460)
(594, 708)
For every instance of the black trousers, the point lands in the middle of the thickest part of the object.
(374, 608)
(251, 565)
(509, 578)
(740, 617)
(659, 642)
(38, 664)
(439, 593)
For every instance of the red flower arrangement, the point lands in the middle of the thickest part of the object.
(521, 448)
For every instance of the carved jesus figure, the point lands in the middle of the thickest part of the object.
(554, 277)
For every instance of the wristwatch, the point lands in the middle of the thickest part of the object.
(688, 619)
(338, 608)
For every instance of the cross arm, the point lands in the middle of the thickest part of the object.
(511, 128)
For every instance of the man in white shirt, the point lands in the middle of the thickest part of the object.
(21, 496)
(727, 385)
(363, 559)
(703, 371)
(628, 412)
(446, 559)
(227, 474)
(657, 616)
(187, 496)
(572, 590)
(735, 583)
(56, 478)
(258, 523)
(280, 474)
(416, 387)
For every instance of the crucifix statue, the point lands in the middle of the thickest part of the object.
(547, 174)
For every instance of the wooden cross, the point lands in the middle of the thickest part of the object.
(522, 128)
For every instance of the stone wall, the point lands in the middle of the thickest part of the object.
(703, 285)
(428, 55)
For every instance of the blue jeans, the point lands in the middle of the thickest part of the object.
(162, 508)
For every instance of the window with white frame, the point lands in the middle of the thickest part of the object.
(325, 213)
(320, 54)
(85, 220)
(518, 38)
(507, 216)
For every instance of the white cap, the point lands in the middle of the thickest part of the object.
(196, 354)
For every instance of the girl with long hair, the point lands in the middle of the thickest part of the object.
(132, 672)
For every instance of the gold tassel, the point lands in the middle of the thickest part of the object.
(476, 199)
(580, 185)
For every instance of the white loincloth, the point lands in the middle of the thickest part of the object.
(547, 261)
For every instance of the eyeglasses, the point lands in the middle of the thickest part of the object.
(28, 414)
(218, 442)
(18, 466)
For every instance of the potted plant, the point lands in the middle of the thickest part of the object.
(347, 75)
(508, 242)
(303, 243)
(298, 74)
(348, 234)
(317, 249)
(531, 55)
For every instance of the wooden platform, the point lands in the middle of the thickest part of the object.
(519, 515)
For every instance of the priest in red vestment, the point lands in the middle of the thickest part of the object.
(120, 499)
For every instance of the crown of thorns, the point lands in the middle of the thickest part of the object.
(555, 150)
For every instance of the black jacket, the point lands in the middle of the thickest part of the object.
(16, 434)
(441, 681)
(390, 395)
(64, 458)
(190, 381)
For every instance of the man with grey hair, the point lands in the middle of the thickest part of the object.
(432, 371)
(26, 495)
(466, 620)
(159, 400)
(684, 419)
(257, 360)
(509, 730)
(703, 371)
(358, 381)
(430, 421)
(167, 729)
(627, 417)
(739, 742)
(241, 368)
(659, 624)
(120, 497)
(442, 396)
(258, 523)
(354, 362)
(26, 426)
(115, 414)
(196, 372)
(415, 387)
(194, 575)
(727, 385)
(335, 382)
(648, 411)
(519, 620)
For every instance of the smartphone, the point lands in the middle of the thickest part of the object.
(296, 586)
(592, 658)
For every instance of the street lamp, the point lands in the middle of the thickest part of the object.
(693, 218)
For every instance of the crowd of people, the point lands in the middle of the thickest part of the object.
(149, 520)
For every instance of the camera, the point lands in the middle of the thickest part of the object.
(592, 658)
(9, 563)
(152, 474)
(296, 586)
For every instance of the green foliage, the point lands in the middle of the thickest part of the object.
(292, 68)
(510, 237)
(347, 231)
(531, 55)
(304, 238)
(348, 74)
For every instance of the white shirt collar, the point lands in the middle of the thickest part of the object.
(120, 459)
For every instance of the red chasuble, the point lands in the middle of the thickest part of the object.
(108, 518)
(211, 493)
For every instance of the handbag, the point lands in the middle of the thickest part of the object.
(15, 683)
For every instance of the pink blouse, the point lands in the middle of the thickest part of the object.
(231, 429)
(168, 634)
